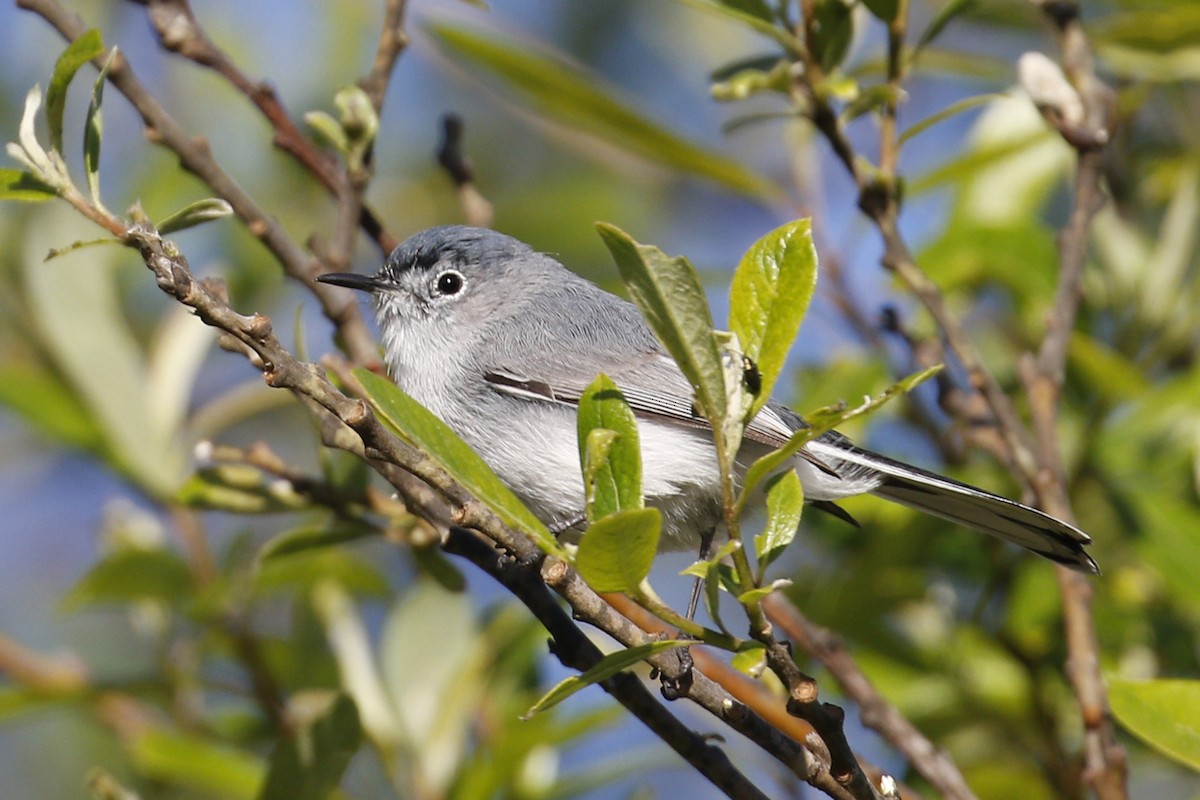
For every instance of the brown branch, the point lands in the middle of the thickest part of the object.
(1106, 766)
(453, 159)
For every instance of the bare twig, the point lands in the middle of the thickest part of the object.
(477, 210)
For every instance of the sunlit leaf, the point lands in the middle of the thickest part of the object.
(46, 403)
(670, 296)
(567, 94)
(785, 503)
(609, 666)
(616, 552)
(79, 52)
(769, 296)
(194, 214)
(16, 184)
(612, 469)
(416, 424)
(1163, 713)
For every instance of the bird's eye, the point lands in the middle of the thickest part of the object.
(449, 283)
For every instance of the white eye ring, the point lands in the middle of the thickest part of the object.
(450, 283)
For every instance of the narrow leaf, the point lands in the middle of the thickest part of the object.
(753, 21)
(567, 94)
(609, 666)
(17, 184)
(78, 53)
(669, 295)
(952, 9)
(949, 111)
(785, 503)
(93, 132)
(1163, 713)
(609, 450)
(55, 252)
(417, 425)
(769, 296)
(191, 761)
(759, 593)
(195, 214)
(616, 552)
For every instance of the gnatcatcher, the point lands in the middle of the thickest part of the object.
(499, 341)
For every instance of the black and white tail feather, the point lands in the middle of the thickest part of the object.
(958, 502)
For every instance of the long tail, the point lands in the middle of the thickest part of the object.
(963, 504)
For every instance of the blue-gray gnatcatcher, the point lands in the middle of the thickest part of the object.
(499, 341)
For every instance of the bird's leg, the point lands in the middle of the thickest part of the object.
(706, 540)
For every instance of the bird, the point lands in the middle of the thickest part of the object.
(500, 341)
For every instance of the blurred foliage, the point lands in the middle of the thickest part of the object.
(241, 637)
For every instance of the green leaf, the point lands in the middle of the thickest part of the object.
(819, 422)
(304, 569)
(416, 424)
(599, 485)
(17, 184)
(309, 764)
(608, 666)
(78, 53)
(769, 296)
(673, 302)
(952, 9)
(567, 94)
(1163, 713)
(195, 214)
(1107, 371)
(45, 402)
(93, 132)
(785, 503)
(609, 450)
(130, 575)
(759, 593)
(949, 111)
(755, 22)
(833, 31)
(55, 252)
(616, 552)
(441, 569)
(884, 10)
(314, 537)
(191, 761)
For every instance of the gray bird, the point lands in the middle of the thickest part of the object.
(500, 341)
